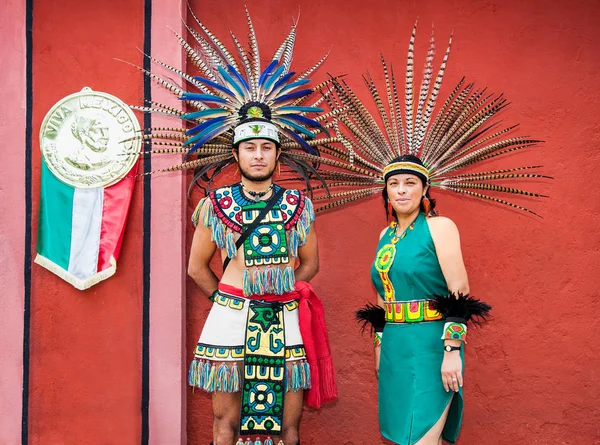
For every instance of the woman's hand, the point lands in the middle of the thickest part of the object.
(377, 355)
(452, 371)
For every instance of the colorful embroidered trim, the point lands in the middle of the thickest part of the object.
(295, 352)
(237, 303)
(413, 311)
(383, 264)
(455, 331)
(385, 260)
(204, 374)
(297, 377)
(270, 280)
(406, 166)
(377, 339)
(268, 441)
(264, 370)
(230, 353)
(227, 204)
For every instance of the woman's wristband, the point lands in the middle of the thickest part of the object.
(455, 331)
(377, 339)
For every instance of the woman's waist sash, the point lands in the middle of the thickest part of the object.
(412, 311)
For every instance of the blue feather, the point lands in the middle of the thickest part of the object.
(302, 142)
(203, 98)
(295, 84)
(239, 77)
(297, 127)
(215, 85)
(203, 113)
(205, 131)
(303, 120)
(302, 109)
(294, 95)
(283, 80)
(203, 125)
(207, 137)
(229, 79)
(273, 77)
(267, 71)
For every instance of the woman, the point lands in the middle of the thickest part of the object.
(418, 257)
(423, 304)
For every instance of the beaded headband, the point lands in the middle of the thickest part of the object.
(405, 167)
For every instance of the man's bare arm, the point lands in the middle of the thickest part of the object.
(308, 255)
(201, 254)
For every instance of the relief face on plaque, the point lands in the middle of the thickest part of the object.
(88, 139)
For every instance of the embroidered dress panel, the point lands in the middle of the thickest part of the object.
(411, 394)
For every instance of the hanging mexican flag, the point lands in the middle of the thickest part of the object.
(81, 230)
(89, 153)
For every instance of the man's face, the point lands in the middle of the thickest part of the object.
(257, 159)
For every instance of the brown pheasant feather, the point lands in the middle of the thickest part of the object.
(451, 142)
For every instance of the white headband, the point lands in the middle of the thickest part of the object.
(255, 130)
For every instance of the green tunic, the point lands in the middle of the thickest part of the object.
(412, 397)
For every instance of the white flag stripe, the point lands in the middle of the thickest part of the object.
(85, 234)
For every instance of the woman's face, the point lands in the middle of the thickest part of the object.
(405, 192)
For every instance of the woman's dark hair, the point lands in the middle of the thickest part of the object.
(384, 193)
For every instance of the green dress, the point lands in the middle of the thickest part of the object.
(412, 397)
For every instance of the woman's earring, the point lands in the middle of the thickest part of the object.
(426, 205)
(390, 209)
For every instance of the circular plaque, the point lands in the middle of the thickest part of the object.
(90, 139)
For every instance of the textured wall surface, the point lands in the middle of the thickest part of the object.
(532, 372)
(85, 385)
(12, 221)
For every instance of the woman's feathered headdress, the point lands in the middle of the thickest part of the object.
(460, 135)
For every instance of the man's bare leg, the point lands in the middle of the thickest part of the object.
(226, 417)
(292, 411)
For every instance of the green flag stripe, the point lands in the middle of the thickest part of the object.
(55, 219)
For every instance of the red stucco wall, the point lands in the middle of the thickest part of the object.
(532, 373)
(85, 346)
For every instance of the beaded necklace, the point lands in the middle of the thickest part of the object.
(256, 195)
(385, 259)
(395, 236)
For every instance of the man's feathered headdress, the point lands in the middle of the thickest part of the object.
(230, 100)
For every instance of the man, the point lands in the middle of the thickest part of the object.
(254, 324)
(264, 346)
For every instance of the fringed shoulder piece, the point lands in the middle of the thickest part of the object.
(461, 307)
(203, 209)
(296, 208)
(209, 210)
(372, 317)
(299, 214)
